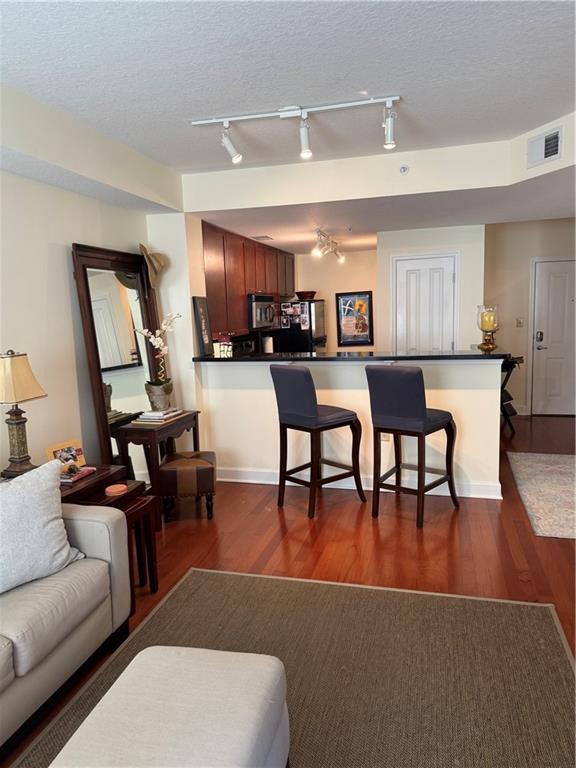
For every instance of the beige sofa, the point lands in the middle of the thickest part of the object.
(50, 626)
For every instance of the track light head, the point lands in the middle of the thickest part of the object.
(235, 156)
(305, 151)
(340, 257)
(388, 125)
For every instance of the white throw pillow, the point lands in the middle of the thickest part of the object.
(33, 539)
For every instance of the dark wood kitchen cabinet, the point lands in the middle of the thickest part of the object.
(290, 274)
(260, 253)
(235, 266)
(271, 271)
(236, 302)
(250, 266)
(215, 272)
(281, 266)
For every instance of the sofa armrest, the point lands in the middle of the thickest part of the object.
(102, 533)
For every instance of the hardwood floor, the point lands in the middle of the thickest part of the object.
(484, 549)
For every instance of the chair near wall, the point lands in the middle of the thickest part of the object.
(398, 403)
(298, 409)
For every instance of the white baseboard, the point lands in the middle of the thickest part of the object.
(270, 477)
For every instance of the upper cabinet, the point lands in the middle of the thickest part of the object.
(236, 266)
(271, 271)
(215, 271)
(290, 274)
(236, 302)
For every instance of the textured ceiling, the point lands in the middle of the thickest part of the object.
(138, 71)
(354, 223)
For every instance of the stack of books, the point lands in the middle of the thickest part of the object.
(158, 417)
(67, 478)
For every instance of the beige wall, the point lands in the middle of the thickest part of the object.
(371, 270)
(467, 242)
(510, 249)
(51, 139)
(39, 309)
(327, 277)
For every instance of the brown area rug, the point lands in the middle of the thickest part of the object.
(376, 677)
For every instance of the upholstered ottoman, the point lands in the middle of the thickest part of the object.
(187, 707)
(189, 474)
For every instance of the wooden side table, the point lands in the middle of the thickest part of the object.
(157, 440)
(141, 513)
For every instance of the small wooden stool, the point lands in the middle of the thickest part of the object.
(186, 474)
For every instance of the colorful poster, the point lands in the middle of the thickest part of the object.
(354, 319)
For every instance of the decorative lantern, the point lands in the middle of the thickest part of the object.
(488, 324)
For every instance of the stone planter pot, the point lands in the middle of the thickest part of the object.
(159, 395)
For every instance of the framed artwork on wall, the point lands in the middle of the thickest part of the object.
(354, 320)
(202, 323)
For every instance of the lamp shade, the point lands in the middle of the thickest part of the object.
(17, 382)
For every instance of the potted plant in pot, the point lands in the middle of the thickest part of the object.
(160, 388)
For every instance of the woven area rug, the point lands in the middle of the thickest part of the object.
(376, 677)
(546, 484)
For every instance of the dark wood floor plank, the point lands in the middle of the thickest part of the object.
(484, 549)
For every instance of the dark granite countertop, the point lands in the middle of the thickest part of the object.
(469, 354)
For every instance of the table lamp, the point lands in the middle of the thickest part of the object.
(17, 384)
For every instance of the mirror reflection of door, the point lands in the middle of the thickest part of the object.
(116, 312)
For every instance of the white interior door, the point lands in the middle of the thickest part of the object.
(425, 304)
(553, 339)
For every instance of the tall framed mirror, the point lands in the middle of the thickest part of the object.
(115, 298)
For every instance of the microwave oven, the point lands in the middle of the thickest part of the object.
(263, 312)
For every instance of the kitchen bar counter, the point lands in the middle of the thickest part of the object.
(363, 357)
(240, 417)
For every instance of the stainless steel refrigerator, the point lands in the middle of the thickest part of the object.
(302, 326)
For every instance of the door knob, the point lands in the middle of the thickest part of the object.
(539, 346)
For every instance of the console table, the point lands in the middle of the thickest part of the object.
(141, 514)
(157, 440)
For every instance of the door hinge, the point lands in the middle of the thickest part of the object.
(453, 277)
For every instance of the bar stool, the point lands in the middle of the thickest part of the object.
(298, 409)
(398, 403)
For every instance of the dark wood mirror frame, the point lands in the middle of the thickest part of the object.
(87, 257)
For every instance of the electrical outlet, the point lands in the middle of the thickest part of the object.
(519, 322)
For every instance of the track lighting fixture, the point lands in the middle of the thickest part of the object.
(235, 156)
(302, 113)
(305, 151)
(388, 125)
(326, 246)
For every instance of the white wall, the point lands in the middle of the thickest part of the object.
(327, 277)
(510, 249)
(39, 308)
(468, 242)
(179, 237)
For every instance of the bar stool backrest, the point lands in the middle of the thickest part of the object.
(295, 394)
(397, 396)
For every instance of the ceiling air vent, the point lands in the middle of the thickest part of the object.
(544, 148)
(262, 237)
